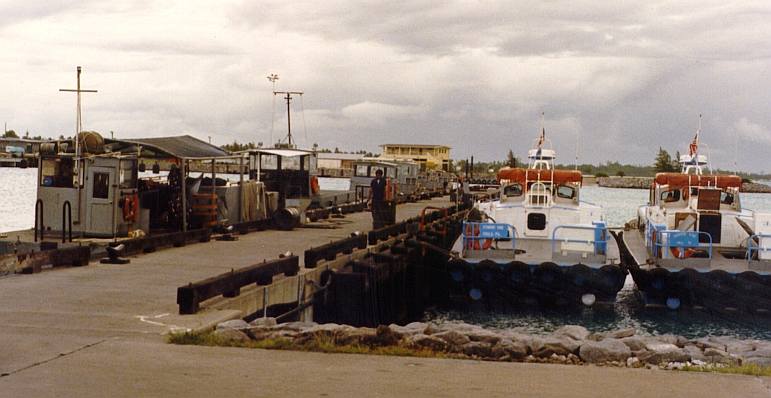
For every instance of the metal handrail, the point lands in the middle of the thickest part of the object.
(41, 223)
(66, 215)
(668, 246)
(752, 246)
(554, 239)
(466, 238)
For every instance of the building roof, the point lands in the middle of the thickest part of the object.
(340, 156)
(183, 146)
(24, 140)
(417, 145)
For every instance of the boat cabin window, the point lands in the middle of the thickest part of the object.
(362, 170)
(694, 191)
(291, 163)
(268, 162)
(566, 192)
(57, 173)
(670, 196)
(101, 188)
(726, 198)
(128, 174)
(513, 190)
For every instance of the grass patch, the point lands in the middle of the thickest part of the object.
(748, 369)
(317, 344)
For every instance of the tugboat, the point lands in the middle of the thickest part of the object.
(693, 245)
(535, 240)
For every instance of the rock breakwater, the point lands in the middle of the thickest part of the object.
(570, 344)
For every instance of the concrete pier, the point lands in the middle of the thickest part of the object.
(97, 331)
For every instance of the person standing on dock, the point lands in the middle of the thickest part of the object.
(379, 202)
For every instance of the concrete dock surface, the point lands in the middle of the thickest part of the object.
(97, 331)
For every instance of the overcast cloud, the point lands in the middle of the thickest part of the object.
(621, 78)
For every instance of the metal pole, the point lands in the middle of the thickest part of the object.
(241, 189)
(183, 175)
(288, 119)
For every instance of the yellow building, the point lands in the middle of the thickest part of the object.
(430, 157)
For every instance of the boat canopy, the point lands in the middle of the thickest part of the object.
(683, 180)
(522, 176)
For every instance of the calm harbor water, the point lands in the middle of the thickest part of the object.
(17, 203)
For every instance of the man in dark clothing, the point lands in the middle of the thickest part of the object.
(377, 199)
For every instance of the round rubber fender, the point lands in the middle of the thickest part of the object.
(581, 276)
(659, 279)
(517, 274)
(459, 271)
(548, 276)
(487, 273)
(613, 278)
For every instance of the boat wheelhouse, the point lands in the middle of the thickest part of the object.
(537, 240)
(405, 174)
(694, 244)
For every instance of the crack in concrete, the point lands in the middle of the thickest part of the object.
(61, 355)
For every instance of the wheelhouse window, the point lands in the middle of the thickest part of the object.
(670, 196)
(726, 198)
(291, 163)
(362, 170)
(268, 162)
(513, 190)
(128, 174)
(57, 173)
(566, 192)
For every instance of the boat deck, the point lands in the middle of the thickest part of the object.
(635, 242)
(540, 250)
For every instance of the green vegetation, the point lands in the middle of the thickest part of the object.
(316, 344)
(10, 134)
(749, 369)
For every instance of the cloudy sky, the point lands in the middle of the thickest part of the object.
(621, 78)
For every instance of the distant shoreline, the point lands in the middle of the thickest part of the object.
(645, 183)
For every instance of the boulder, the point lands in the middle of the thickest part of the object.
(634, 343)
(326, 330)
(453, 338)
(604, 351)
(633, 362)
(425, 341)
(484, 336)
(512, 349)
(231, 336)
(409, 329)
(762, 352)
(574, 332)
(357, 336)
(295, 326)
(385, 336)
(658, 353)
(477, 349)
(263, 322)
(559, 346)
(621, 333)
(237, 324)
(695, 353)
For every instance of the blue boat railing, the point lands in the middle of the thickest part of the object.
(599, 242)
(483, 231)
(753, 246)
(669, 239)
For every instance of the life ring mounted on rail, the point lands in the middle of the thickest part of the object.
(130, 207)
(682, 254)
(474, 243)
(315, 189)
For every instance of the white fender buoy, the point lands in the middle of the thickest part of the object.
(588, 299)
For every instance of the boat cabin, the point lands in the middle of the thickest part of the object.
(406, 175)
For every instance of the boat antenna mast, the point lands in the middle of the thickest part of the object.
(78, 115)
(288, 99)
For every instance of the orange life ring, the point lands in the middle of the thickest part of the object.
(685, 254)
(315, 189)
(474, 244)
(130, 207)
